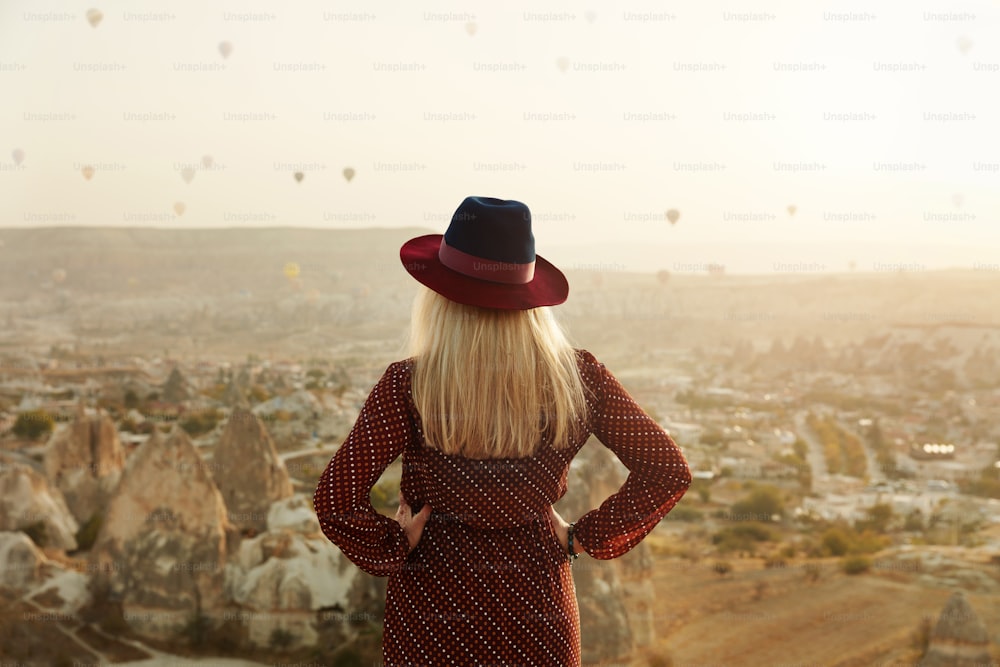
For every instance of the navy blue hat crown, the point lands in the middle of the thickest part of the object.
(491, 228)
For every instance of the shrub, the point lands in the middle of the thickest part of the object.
(836, 541)
(200, 422)
(87, 534)
(742, 536)
(37, 532)
(33, 424)
(722, 568)
(763, 502)
(684, 513)
(196, 630)
(857, 564)
(281, 639)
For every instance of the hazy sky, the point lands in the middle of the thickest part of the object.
(877, 121)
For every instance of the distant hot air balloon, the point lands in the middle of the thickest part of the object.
(207, 161)
(348, 173)
(312, 295)
(562, 63)
(58, 275)
(291, 270)
(88, 172)
(225, 48)
(663, 276)
(94, 17)
(179, 207)
(791, 209)
(471, 28)
(298, 176)
(18, 156)
(673, 215)
(187, 173)
(853, 265)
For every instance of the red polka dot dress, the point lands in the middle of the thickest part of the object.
(489, 582)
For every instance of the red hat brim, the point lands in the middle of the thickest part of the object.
(419, 255)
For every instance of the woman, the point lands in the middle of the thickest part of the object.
(487, 415)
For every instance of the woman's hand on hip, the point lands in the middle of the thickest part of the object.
(412, 524)
(561, 527)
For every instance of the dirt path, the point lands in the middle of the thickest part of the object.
(760, 617)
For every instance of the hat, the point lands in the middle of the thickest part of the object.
(486, 258)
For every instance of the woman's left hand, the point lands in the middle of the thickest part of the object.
(412, 524)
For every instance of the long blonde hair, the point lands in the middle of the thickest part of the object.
(492, 383)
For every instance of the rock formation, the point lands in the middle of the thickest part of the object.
(235, 396)
(163, 545)
(292, 579)
(175, 389)
(25, 570)
(28, 502)
(959, 639)
(20, 561)
(614, 596)
(248, 471)
(84, 460)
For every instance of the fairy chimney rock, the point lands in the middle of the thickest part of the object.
(84, 460)
(959, 639)
(175, 389)
(248, 471)
(29, 503)
(165, 539)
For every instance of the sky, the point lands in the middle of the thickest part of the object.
(788, 136)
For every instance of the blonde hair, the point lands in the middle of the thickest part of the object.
(492, 383)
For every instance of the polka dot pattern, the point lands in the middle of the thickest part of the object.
(489, 583)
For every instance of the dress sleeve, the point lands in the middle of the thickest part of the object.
(658, 472)
(372, 541)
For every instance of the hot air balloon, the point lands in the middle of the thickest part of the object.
(58, 275)
(207, 161)
(88, 172)
(291, 270)
(187, 173)
(225, 48)
(853, 265)
(562, 63)
(791, 209)
(663, 276)
(673, 215)
(298, 176)
(179, 207)
(18, 156)
(471, 28)
(348, 173)
(94, 17)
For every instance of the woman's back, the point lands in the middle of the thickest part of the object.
(487, 416)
